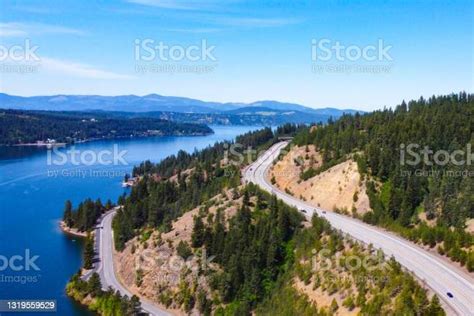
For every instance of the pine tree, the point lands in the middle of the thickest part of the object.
(204, 305)
(246, 200)
(89, 253)
(94, 285)
(435, 309)
(135, 305)
(199, 233)
(420, 301)
(219, 234)
(108, 205)
(68, 216)
(334, 306)
(183, 250)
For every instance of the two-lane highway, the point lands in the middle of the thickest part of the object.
(436, 273)
(105, 265)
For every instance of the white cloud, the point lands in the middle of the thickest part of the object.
(36, 9)
(194, 30)
(256, 22)
(17, 29)
(178, 4)
(78, 70)
(12, 30)
(218, 13)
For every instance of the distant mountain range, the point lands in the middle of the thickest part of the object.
(178, 108)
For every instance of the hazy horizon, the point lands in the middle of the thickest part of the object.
(349, 107)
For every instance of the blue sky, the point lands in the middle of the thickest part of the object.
(263, 49)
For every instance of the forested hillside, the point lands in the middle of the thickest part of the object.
(331, 284)
(262, 253)
(173, 164)
(251, 252)
(402, 190)
(155, 203)
(23, 127)
(266, 258)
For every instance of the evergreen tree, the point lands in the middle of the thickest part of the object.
(89, 253)
(435, 309)
(135, 305)
(67, 218)
(199, 233)
(94, 284)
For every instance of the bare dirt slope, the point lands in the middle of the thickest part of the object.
(323, 299)
(150, 266)
(470, 225)
(338, 187)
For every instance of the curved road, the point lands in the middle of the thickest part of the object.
(433, 271)
(105, 265)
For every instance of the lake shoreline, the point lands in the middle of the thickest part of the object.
(41, 197)
(51, 145)
(71, 231)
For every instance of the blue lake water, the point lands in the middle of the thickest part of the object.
(32, 195)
